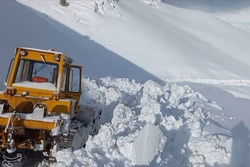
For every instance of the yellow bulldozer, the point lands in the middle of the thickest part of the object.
(39, 106)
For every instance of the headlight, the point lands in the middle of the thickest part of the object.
(22, 53)
(57, 57)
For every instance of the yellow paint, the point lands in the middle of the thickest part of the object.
(30, 124)
(52, 99)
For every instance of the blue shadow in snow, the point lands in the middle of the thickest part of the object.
(240, 146)
(239, 131)
(23, 26)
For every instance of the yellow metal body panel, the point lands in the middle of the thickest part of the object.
(36, 55)
(57, 101)
(23, 98)
(29, 124)
(25, 104)
(34, 92)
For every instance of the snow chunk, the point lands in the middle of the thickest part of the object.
(122, 116)
(65, 157)
(211, 150)
(149, 142)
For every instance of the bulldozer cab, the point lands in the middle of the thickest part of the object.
(43, 76)
(42, 69)
(41, 97)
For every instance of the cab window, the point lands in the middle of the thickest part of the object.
(36, 71)
(64, 78)
(75, 79)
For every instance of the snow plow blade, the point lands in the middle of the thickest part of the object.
(20, 130)
(29, 123)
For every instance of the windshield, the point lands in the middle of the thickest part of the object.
(36, 72)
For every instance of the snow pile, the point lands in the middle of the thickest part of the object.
(147, 124)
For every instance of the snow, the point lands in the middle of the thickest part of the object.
(38, 113)
(43, 85)
(180, 28)
(30, 117)
(147, 143)
(171, 77)
(151, 124)
(41, 50)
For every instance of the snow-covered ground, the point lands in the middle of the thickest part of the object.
(172, 77)
(157, 125)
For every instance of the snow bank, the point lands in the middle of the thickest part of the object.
(147, 124)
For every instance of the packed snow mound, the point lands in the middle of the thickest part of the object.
(147, 124)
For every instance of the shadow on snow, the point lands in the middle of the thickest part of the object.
(23, 26)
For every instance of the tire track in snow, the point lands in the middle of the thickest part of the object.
(231, 82)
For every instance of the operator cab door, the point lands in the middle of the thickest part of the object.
(74, 84)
